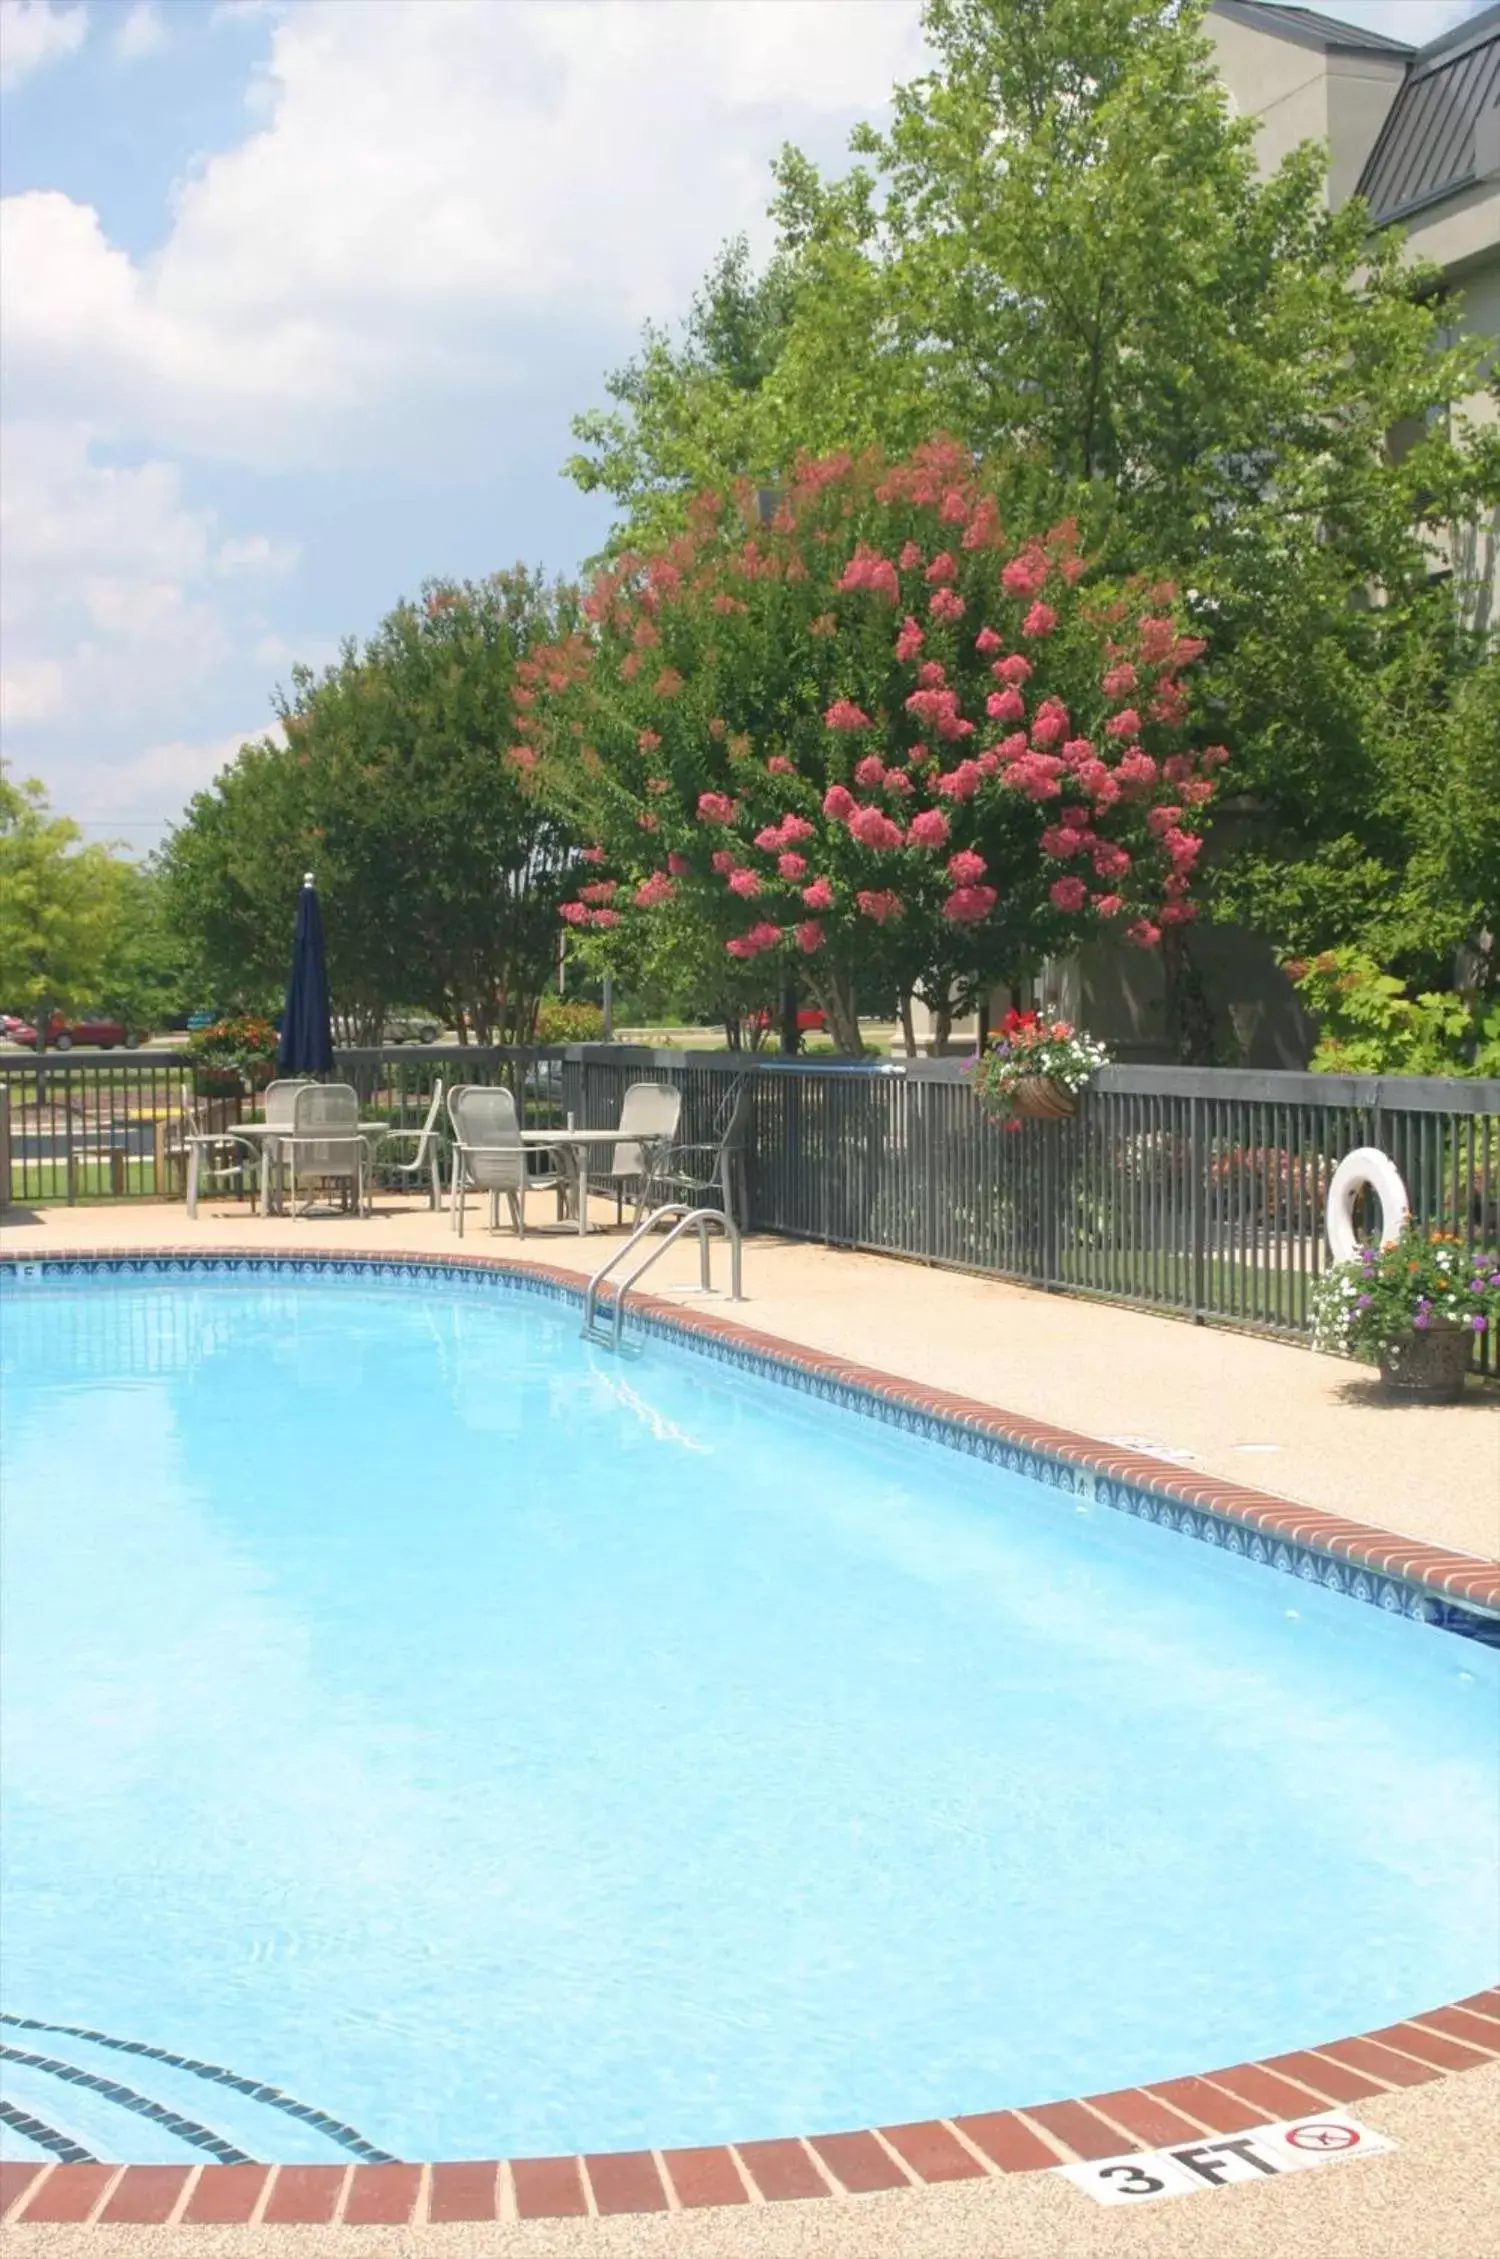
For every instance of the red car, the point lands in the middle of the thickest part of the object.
(810, 1019)
(63, 1034)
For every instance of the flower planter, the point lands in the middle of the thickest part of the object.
(1429, 1367)
(218, 1082)
(1037, 1098)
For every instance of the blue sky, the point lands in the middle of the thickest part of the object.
(298, 297)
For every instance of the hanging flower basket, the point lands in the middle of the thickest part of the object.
(1034, 1069)
(1038, 1098)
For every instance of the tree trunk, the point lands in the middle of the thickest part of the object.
(1189, 1015)
(791, 1034)
(908, 1025)
(733, 1035)
(835, 992)
(942, 1027)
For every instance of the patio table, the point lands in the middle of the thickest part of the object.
(268, 1133)
(572, 1147)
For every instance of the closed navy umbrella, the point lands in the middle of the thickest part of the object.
(306, 1046)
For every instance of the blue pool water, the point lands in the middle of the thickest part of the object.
(498, 1747)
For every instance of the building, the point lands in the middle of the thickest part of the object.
(1415, 131)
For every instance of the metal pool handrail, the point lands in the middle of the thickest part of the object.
(686, 1219)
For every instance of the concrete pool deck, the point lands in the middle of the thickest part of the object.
(1204, 1399)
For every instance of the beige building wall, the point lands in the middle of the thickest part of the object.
(1298, 94)
(1361, 90)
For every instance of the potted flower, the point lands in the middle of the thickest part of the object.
(233, 1056)
(1413, 1308)
(1035, 1068)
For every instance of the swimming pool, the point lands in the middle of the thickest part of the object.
(493, 1746)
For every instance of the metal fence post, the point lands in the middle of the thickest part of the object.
(1050, 1276)
(1197, 1205)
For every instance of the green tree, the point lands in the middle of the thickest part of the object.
(1061, 250)
(679, 421)
(145, 980)
(439, 876)
(61, 908)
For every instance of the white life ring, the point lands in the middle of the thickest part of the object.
(1366, 1168)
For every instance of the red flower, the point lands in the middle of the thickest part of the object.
(880, 903)
(968, 905)
(929, 829)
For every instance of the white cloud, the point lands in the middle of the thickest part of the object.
(31, 690)
(255, 553)
(33, 32)
(112, 602)
(428, 186)
(143, 32)
(160, 778)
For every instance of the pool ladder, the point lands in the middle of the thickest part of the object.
(606, 1330)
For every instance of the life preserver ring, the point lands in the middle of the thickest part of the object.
(1365, 1169)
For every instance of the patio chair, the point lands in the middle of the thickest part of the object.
(692, 1172)
(214, 1158)
(648, 1123)
(426, 1157)
(325, 1143)
(488, 1155)
(279, 1099)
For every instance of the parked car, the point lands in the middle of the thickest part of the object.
(811, 1019)
(410, 1027)
(63, 1034)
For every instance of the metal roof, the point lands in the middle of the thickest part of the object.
(1307, 27)
(1443, 131)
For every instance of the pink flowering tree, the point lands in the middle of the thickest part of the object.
(885, 736)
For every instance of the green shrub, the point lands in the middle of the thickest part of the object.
(559, 1020)
(1368, 1025)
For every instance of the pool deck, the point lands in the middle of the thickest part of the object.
(1247, 1411)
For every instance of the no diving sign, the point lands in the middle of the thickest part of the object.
(1290, 2146)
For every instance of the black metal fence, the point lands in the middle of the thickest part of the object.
(1196, 1191)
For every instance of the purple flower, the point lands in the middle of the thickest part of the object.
(1480, 1325)
(1421, 1321)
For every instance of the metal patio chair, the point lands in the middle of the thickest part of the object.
(325, 1143)
(691, 1172)
(215, 1158)
(649, 1115)
(426, 1157)
(488, 1155)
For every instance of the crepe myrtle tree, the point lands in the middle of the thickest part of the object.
(883, 736)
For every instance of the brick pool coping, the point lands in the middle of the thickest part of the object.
(1458, 1591)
